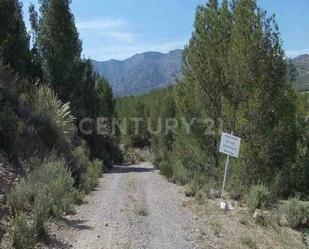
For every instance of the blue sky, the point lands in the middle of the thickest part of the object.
(118, 29)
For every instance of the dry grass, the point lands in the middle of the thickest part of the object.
(216, 227)
(131, 184)
(139, 207)
(127, 245)
(247, 241)
(237, 229)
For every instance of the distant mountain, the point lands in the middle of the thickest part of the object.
(142, 72)
(301, 64)
(152, 70)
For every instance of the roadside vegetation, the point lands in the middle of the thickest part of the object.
(236, 79)
(45, 91)
(252, 97)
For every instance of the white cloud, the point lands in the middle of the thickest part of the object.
(101, 24)
(125, 37)
(102, 30)
(295, 53)
(112, 38)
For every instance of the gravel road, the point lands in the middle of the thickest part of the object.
(134, 207)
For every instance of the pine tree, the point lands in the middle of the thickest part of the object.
(213, 4)
(85, 99)
(14, 40)
(60, 47)
(205, 58)
(107, 103)
(258, 103)
(36, 57)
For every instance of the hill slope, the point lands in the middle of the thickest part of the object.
(301, 64)
(151, 70)
(142, 72)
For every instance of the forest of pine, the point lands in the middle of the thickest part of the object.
(236, 77)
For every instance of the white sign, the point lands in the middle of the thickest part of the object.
(229, 145)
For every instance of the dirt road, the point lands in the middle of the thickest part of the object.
(134, 207)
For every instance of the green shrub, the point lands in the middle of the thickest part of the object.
(104, 166)
(243, 220)
(247, 241)
(179, 172)
(99, 165)
(297, 213)
(77, 198)
(236, 188)
(189, 160)
(191, 189)
(130, 156)
(52, 112)
(86, 172)
(51, 180)
(166, 169)
(10, 128)
(90, 177)
(55, 181)
(32, 163)
(259, 196)
(46, 192)
(200, 196)
(163, 162)
(40, 214)
(21, 232)
(80, 162)
(21, 199)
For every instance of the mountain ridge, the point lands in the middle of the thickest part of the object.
(142, 72)
(152, 70)
(301, 64)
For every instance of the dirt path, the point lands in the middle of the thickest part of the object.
(134, 207)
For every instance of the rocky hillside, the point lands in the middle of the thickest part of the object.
(151, 70)
(142, 72)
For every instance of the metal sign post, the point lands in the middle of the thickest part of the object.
(225, 173)
(230, 146)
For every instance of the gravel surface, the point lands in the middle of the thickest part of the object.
(133, 207)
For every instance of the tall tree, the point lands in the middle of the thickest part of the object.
(205, 56)
(14, 40)
(213, 4)
(107, 102)
(36, 58)
(84, 97)
(260, 104)
(60, 47)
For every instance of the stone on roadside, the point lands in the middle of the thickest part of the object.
(259, 216)
(213, 194)
(226, 206)
(283, 221)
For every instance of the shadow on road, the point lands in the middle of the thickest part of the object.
(53, 242)
(77, 224)
(130, 169)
